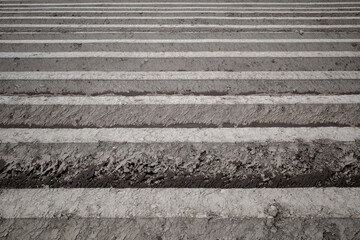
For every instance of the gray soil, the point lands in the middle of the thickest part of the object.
(182, 64)
(210, 165)
(173, 47)
(299, 164)
(180, 35)
(179, 115)
(183, 87)
(169, 28)
(181, 228)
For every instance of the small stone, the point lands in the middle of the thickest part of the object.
(270, 221)
(273, 229)
(273, 211)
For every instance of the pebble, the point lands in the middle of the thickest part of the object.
(273, 211)
(270, 221)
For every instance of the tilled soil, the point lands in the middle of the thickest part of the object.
(214, 115)
(208, 165)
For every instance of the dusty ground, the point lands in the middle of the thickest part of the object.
(180, 228)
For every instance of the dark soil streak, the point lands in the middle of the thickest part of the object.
(87, 179)
(2, 165)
